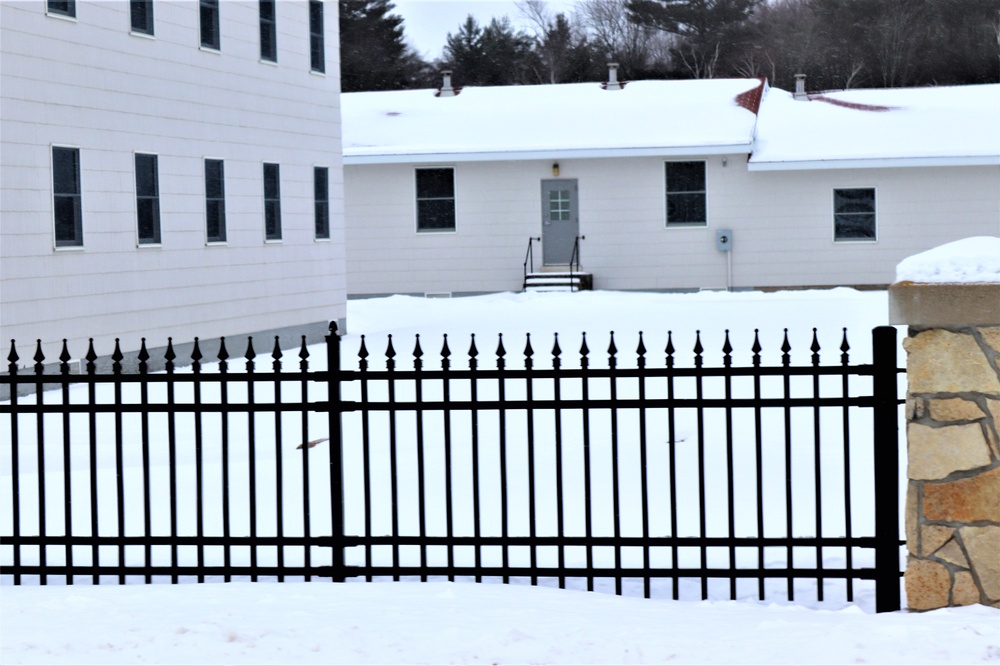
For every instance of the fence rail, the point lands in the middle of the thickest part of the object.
(632, 475)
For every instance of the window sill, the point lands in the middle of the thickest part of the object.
(61, 17)
(143, 246)
(271, 63)
(854, 241)
(421, 232)
(216, 243)
(686, 225)
(321, 240)
(68, 248)
(210, 49)
(317, 73)
(273, 241)
(142, 35)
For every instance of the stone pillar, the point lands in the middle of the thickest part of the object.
(953, 442)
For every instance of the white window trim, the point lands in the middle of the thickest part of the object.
(57, 15)
(663, 184)
(833, 216)
(135, 33)
(204, 200)
(135, 198)
(52, 198)
(329, 220)
(263, 206)
(416, 219)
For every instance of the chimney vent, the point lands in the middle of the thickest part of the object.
(800, 88)
(446, 90)
(613, 82)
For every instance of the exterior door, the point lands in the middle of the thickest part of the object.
(560, 221)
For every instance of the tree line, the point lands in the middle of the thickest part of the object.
(837, 43)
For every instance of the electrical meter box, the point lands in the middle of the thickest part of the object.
(724, 240)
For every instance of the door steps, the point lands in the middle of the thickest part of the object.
(558, 281)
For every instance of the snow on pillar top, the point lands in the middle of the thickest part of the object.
(956, 284)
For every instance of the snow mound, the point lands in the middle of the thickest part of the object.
(968, 260)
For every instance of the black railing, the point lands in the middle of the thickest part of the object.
(574, 263)
(529, 261)
(657, 476)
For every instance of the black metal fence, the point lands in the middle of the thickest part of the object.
(658, 478)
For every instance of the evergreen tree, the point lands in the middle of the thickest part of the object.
(490, 56)
(373, 51)
(702, 27)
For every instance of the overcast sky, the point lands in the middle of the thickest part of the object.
(428, 22)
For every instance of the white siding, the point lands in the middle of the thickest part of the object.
(90, 84)
(782, 224)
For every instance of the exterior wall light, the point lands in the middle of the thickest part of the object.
(555, 168)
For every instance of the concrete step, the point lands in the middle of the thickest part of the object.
(558, 281)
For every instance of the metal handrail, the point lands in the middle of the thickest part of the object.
(529, 256)
(574, 262)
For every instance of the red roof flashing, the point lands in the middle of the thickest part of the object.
(750, 100)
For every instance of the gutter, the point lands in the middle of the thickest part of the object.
(875, 163)
(562, 154)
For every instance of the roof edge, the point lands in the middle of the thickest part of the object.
(875, 163)
(561, 154)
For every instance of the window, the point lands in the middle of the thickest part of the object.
(317, 55)
(435, 199)
(147, 199)
(210, 23)
(67, 205)
(142, 16)
(272, 203)
(268, 32)
(321, 196)
(854, 214)
(215, 202)
(62, 7)
(686, 193)
(559, 205)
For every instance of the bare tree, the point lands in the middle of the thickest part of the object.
(636, 48)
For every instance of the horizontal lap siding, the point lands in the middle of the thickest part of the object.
(782, 225)
(92, 85)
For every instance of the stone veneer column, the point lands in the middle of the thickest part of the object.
(953, 442)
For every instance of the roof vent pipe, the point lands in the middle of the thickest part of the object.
(446, 90)
(800, 88)
(613, 83)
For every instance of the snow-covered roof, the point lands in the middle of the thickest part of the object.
(943, 126)
(970, 260)
(848, 129)
(551, 121)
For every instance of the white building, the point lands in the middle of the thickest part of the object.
(444, 191)
(169, 168)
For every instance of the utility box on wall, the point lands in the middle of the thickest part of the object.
(724, 240)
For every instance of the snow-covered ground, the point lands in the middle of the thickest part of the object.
(494, 624)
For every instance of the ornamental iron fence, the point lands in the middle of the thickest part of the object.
(672, 478)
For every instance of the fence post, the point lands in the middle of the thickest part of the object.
(886, 439)
(336, 452)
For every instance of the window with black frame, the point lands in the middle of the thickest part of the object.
(317, 51)
(272, 202)
(321, 198)
(436, 199)
(209, 19)
(61, 7)
(142, 16)
(685, 185)
(215, 201)
(854, 214)
(67, 204)
(147, 198)
(268, 31)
